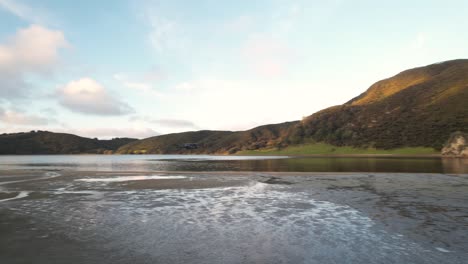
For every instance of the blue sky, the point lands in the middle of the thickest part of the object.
(142, 68)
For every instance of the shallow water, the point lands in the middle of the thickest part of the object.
(256, 223)
(73, 214)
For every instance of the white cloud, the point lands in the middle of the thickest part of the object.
(17, 118)
(33, 50)
(89, 97)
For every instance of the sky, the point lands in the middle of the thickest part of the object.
(122, 68)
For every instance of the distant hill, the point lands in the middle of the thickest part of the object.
(44, 142)
(419, 107)
(226, 142)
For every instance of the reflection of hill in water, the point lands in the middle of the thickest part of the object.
(236, 163)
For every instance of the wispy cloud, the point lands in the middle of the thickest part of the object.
(26, 12)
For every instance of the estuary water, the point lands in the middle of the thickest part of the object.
(232, 209)
(235, 163)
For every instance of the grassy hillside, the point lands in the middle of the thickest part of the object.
(44, 142)
(418, 107)
(328, 149)
(413, 112)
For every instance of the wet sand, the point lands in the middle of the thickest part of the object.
(233, 217)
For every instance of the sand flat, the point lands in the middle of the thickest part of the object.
(235, 217)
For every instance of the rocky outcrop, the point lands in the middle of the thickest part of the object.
(457, 145)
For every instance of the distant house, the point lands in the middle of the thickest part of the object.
(190, 146)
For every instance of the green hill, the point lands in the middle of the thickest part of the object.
(412, 112)
(418, 107)
(44, 142)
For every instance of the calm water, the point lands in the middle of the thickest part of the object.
(235, 163)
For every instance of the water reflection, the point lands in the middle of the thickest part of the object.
(456, 165)
(342, 164)
(235, 163)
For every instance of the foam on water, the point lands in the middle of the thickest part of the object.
(20, 195)
(443, 250)
(132, 178)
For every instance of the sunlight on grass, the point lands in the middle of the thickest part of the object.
(327, 149)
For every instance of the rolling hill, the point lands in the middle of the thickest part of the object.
(225, 142)
(419, 107)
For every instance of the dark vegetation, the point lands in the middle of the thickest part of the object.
(44, 142)
(212, 141)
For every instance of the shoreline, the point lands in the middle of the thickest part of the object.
(258, 155)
